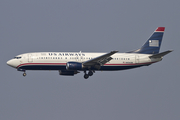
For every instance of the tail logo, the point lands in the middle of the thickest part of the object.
(154, 43)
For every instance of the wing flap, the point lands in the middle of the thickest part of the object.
(104, 61)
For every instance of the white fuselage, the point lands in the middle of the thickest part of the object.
(58, 60)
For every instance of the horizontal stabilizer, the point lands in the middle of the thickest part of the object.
(159, 55)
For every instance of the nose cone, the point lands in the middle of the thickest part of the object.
(12, 63)
(9, 62)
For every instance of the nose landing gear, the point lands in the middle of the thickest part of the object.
(24, 74)
(23, 70)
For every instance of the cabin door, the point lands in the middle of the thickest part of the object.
(137, 59)
(30, 58)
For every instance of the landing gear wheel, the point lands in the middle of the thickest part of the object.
(90, 73)
(86, 76)
(24, 74)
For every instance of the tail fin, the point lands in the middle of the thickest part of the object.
(153, 44)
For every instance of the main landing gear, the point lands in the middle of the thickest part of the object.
(90, 73)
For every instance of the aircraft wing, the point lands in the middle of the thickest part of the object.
(101, 60)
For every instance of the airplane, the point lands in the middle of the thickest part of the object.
(71, 63)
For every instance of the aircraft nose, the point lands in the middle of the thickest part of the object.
(11, 63)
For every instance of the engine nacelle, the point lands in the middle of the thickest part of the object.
(74, 66)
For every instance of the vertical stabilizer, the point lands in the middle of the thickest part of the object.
(153, 44)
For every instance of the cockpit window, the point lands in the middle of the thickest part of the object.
(17, 57)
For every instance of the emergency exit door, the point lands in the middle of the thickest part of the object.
(137, 59)
(30, 58)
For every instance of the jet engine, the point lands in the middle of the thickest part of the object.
(74, 66)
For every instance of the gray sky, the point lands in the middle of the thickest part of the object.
(146, 93)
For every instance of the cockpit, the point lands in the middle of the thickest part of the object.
(17, 57)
